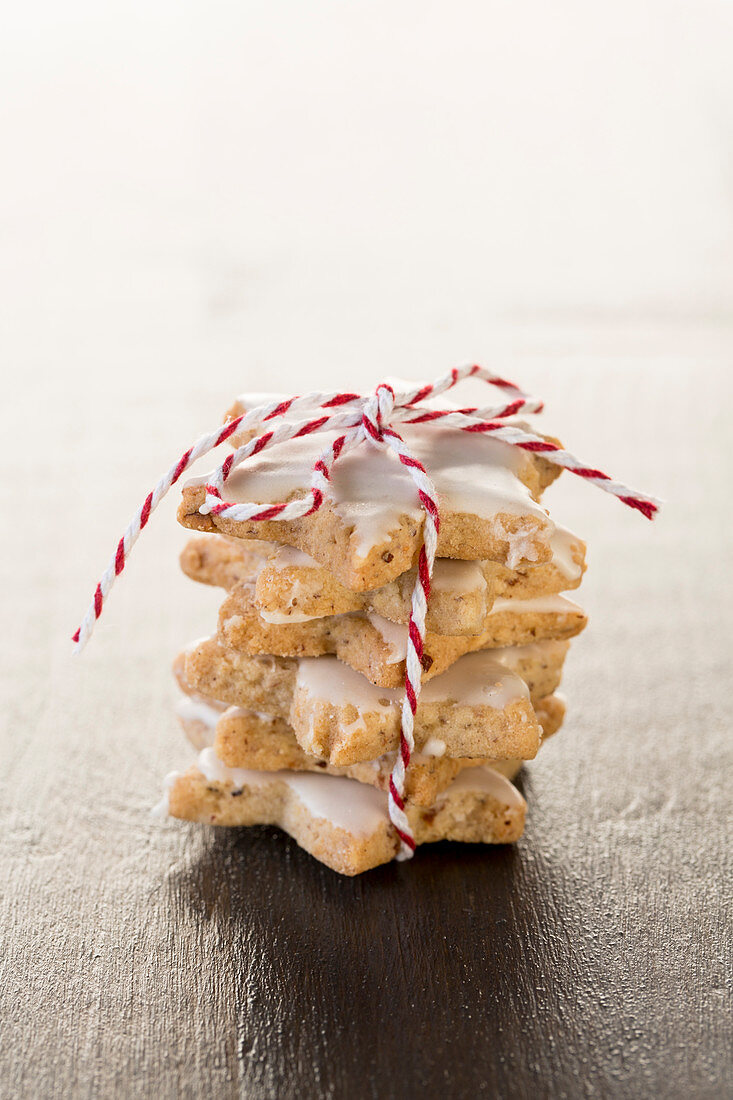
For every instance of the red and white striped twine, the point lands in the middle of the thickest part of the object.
(357, 418)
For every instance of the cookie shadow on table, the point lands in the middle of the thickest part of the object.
(309, 959)
(257, 883)
(235, 871)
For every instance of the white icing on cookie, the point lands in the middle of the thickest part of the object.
(452, 575)
(215, 771)
(357, 726)
(331, 680)
(197, 710)
(486, 780)
(372, 492)
(356, 807)
(394, 636)
(247, 712)
(288, 556)
(543, 605)
(548, 651)
(562, 543)
(521, 542)
(281, 618)
(476, 679)
(434, 747)
(161, 809)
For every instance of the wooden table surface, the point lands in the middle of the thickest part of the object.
(203, 198)
(166, 960)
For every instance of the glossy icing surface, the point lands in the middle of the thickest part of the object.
(356, 807)
(372, 492)
(477, 679)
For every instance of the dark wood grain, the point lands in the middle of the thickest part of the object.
(592, 960)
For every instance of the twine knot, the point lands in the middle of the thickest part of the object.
(378, 411)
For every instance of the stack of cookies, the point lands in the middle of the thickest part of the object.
(294, 703)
